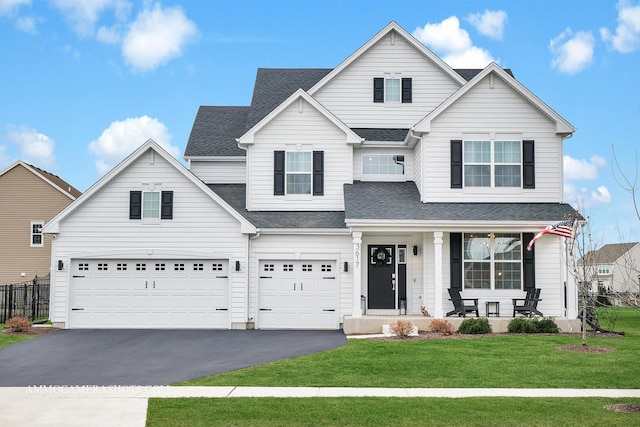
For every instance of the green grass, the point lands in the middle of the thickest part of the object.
(521, 361)
(6, 340)
(497, 411)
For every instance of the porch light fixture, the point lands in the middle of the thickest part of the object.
(346, 266)
(415, 250)
(60, 265)
(237, 265)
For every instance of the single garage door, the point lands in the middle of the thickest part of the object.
(142, 293)
(298, 295)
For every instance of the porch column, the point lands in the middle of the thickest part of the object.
(437, 260)
(356, 311)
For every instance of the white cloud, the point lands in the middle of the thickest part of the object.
(109, 35)
(453, 44)
(83, 14)
(156, 36)
(121, 138)
(627, 36)
(36, 148)
(582, 169)
(26, 24)
(9, 7)
(4, 158)
(586, 198)
(490, 23)
(572, 53)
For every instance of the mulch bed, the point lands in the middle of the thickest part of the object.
(32, 331)
(624, 407)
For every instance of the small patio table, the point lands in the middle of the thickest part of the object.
(496, 308)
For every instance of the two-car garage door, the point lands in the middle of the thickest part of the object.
(139, 293)
(298, 295)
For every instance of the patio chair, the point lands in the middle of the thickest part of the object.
(529, 305)
(459, 306)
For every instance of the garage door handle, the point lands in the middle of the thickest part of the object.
(77, 309)
(266, 277)
(265, 309)
(329, 277)
(221, 309)
(78, 277)
(222, 277)
(329, 309)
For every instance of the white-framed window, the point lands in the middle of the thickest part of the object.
(392, 89)
(36, 239)
(604, 269)
(492, 261)
(383, 164)
(489, 163)
(151, 205)
(298, 172)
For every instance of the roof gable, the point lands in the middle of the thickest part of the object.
(563, 127)
(53, 226)
(54, 181)
(248, 137)
(396, 30)
(610, 253)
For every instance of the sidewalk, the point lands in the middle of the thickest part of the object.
(127, 405)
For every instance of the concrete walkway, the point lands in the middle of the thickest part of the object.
(127, 405)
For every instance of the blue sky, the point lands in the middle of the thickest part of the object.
(83, 83)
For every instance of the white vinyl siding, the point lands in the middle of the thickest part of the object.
(492, 111)
(220, 171)
(350, 94)
(200, 229)
(292, 130)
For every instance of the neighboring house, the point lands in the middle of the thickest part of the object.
(30, 197)
(337, 193)
(617, 268)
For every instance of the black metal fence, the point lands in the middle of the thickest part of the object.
(27, 299)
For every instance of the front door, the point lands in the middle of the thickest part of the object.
(382, 283)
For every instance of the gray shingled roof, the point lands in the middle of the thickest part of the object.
(609, 253)
(214, 131)
(401, 201)
(235, 195)
(216, 128)
(469, 73)
(381, 134)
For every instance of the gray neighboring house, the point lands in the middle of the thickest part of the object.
(617, 268)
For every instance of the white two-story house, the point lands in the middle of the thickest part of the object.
(364, 190)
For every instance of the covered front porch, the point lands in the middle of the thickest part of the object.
(373, 324)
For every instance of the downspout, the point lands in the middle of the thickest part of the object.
(249, 265)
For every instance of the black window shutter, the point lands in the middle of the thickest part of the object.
(529, 263)
(318, 173)
(406, 90)
(278, 173)
(135, 204)
(455, 252)
(528, 164)
(456, 163)
(378, 89)
(166, 206)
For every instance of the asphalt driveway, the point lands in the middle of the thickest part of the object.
(149, 357)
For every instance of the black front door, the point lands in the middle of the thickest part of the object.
(382, 277)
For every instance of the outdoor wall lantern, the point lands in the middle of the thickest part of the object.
(346, 266)
(237, 265)
(60, 265)
(415, 250)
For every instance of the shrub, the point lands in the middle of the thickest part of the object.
(523, 325)
(547, 326)
(18, 324)
(442, 326)
(475, 325)
(401, 328)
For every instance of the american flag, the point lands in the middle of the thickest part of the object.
(562, 228)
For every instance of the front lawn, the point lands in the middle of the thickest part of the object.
(498, 411)
(520, 361)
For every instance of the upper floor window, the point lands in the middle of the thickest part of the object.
(36, 234)
(151, 205)
(604, 269)
(492, 261)
(492, 163)
(382, 164)
(298, 172)
(392, 89)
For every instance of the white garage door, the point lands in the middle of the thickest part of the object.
(298, 295)
(149, 294)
